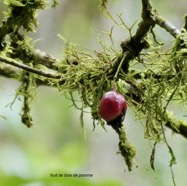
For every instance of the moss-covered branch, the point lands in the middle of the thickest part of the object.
(27, 68)
(149, 91)
(135, 44)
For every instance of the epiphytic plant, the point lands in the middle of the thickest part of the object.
(149, 91)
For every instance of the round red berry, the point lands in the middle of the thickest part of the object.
(112, 108)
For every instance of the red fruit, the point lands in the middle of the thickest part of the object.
(112, 109)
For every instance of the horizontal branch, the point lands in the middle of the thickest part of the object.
(28, 68)
(46, 60)
(14, 73)
(180, 129)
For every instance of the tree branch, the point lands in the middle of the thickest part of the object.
(134, 45)
(28, 68)
(46, 60)
(177, 126)
(181, 129)
(167, 26)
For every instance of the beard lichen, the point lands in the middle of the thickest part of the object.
(154, 79)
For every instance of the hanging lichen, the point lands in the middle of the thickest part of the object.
(149, 77)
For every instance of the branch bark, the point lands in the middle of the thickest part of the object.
(163, 23)
(133, 46)
(20, 65)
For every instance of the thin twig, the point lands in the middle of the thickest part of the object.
(28, 68)
(46, 60)
(167, 26)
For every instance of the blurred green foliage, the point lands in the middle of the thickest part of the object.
(55, 145)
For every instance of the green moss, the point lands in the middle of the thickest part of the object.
(126, 150)
(21, 16)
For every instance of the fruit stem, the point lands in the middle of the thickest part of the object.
(119, 68)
